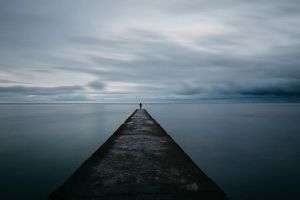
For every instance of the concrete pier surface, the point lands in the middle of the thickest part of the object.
(139, 161)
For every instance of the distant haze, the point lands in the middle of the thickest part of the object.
(149, 51)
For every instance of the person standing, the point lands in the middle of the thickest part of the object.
(141, 105)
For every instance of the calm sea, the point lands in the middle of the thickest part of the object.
(252, 151)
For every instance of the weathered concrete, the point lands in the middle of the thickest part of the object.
(139, 161)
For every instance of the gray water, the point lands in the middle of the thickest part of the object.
(252, 151)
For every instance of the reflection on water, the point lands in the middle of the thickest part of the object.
(251, 150)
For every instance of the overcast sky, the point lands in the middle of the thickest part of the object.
(149, 51)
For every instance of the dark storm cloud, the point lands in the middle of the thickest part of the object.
(291, 90)
(151, 50)
(284, 89)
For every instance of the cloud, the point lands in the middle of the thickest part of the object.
(276, 91)
(70, 98)
(40, 90)
(42, 94)
(150, 51)
(97, 85)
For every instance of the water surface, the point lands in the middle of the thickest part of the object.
(252, 151)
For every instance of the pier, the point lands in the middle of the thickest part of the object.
(140, 161)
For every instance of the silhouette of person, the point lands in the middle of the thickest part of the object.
(141, 105)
